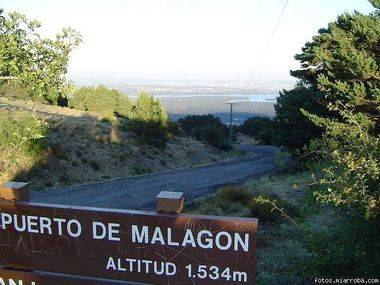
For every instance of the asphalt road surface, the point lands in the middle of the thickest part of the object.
(139, 192)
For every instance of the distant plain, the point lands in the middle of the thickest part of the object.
(181, 98)
(178, 106)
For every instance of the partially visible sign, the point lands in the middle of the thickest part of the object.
(128, 245)
(13, 277)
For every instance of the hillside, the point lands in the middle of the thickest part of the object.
(84, 147)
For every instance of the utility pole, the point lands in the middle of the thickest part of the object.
(232, 103)
(230, 130)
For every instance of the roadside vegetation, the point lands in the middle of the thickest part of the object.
(330, 121)
(39, 64)
(101, 100)
(97, 133)
(22, 142)
(41, 79)
(51, 146)
(319, 218)
(299, 239)
(206, 128)
(326, 225)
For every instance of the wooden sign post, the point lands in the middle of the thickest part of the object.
(149, 247)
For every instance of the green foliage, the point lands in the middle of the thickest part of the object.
(336, 108)
(282, 160)
(146, 117)
(39, 63)
(148, 120)
(322, 244)
(234, 194)
(270, 208)
(349, 249)
(211, 135)
(350, 175)
(292, 129)
(375, 3)
(340, 66)
(341, 62)
(260, 128)
(193, 121)
(138, 169)
(229, 200)
(101, 100)
(174, 128)
(344, 63)
(206, 128)
(13, 89)
(21, 143)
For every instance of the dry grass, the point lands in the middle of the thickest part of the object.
(84, 148)
(281, 245)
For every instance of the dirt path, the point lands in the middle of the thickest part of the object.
(139, 192)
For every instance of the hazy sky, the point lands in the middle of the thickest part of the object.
(185, 39)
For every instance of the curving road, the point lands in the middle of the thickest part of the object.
(139, 192)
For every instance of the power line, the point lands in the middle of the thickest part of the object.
(266, 46)
(235, 102)
(255, 16)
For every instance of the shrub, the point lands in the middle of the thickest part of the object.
(21, 143)
(148, 120)
(205, 206)
(193, 121)
(260, 128)
(263, 211)
(95, 165)
(211, 135)
(206, 128)
(174, 128)
(101, 100)
(139, 169)
(13, 89)
(234, 194)
(351, 248)
(294, 130)
(252, 126)
(58, 150)
(270, 208)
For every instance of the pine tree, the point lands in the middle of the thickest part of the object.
(148, 120)
(342, 63)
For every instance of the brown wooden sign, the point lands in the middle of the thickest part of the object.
(16, 277)
(128, 245)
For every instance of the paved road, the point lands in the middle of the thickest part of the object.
(139, 192)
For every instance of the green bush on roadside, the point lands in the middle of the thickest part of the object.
(234, 194)
(21, 143)
(101, 100)
(260, 128)
(148, 120)
(211, 135)
(174, 128)
(14, 90)
(269, 208)
(206, 128)
(351, 248)
(263, 211)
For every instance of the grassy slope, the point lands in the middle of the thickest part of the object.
(84, 148)
(281, 246)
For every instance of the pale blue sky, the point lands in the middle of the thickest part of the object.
(185, 39)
